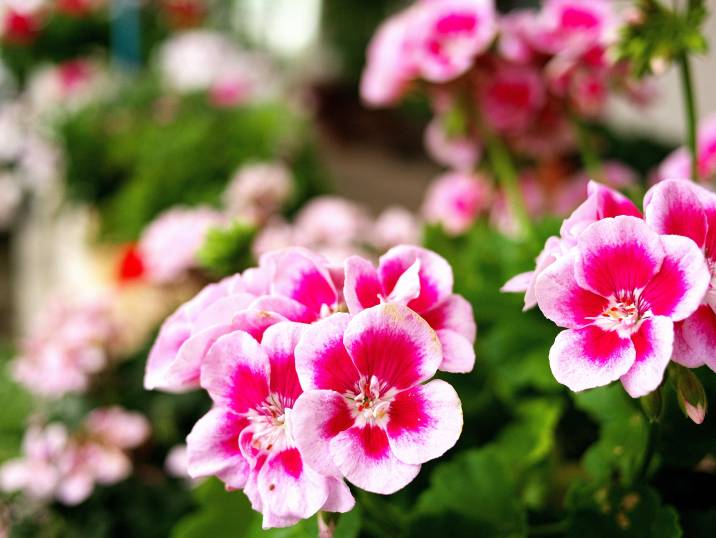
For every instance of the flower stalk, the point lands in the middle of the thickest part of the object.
(687, 88)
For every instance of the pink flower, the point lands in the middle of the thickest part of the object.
(450, 34)
(618, 294)
(511, 97)
(116, 427)
(169, 245)
(72, 342)
(395, 226)
(247, 438)
(389, 67)
(459, 153)
(177, 462)
(331, 221)
(678, 207)
(258, 191)
(602, 202)
(572, 26)
(422, 280)
(366, 414)
(455, 200)
(517, 30)
(678, 164)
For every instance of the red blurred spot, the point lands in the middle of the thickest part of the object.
(20, 28)
(131, 266)
(184, 13)
(75, 8)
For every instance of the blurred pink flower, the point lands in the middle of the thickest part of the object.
(72, 342)
(511, 97)
(258, 191)
(176, 462)
(455, 200)
(169, 245)
(395, 226)
(331, 221)
(459, 153)
(572, 26)
(516, 36)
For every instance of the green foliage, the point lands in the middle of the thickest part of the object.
(228, 250)
(15, 406)
(662, 34)
(613, 510)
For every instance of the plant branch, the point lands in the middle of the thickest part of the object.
(687, 88)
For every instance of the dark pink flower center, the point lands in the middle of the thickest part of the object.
(268, 424)
(370, 401)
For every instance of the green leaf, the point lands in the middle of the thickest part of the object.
(599, 511)
(228, 250)
(623, 432)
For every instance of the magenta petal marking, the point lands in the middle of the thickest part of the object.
(362, 288)
(674, 207)
(279, 343)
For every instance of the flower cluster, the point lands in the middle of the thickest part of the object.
(633, 292)
(66, 466)
(72, 342)
(524, 73)
(319, 373)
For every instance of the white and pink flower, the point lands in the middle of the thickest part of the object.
(247, 439)
(511, 97)
(258, 191)
(455, 201)
(618, 293)
(367, 413)
(682, 208)
(423, 281)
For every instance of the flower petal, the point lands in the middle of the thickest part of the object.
(317, 417)
(213, 448)
(454, 313)
(653, 343)
(279, 343)
(322, 361)
(589, 357)
(393, 343)
(679, 287)
(339, 498)
(674, 207)
(519, 283)
(618, 254)
(458, 352)
(698, 332)
(235, 372)
(424, 422)
(285, 307)
(255, 321)
(364, 457)
(288, 488)
(562, 299)
(436, 279)
(361, 288)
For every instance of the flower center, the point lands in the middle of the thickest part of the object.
(370, 401)
(623, 315)
(268, 425)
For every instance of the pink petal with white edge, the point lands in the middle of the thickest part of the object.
(279, 343)
(674, 207)
(364, 457)
(362, 288)
(407, 288)
(213, 448)
(301, 275)
(589, 357)
(458, 352)
(518, 283)
(455, 314)
(255, 321)
(699, 332)
(562, 300)
(653, 343)
(679, 287)
(339, 498)
(316, 418)
(236, 373)
(617, 254)
(424, 422)
(290, 489)
(222, 311)
(284, 307)
(393, 343)
(322, 361)
(436, 279)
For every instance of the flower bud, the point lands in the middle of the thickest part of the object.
(691, 394)
(653, 404)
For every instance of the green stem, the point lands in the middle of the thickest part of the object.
(506, 174)
(649, 452)
(687, 88)
(590, 159)
(327, 524)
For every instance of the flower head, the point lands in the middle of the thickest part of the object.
(455, 200)
(366, 413)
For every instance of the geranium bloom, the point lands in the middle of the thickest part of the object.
(683, 208)
(511, 97)
(678, 164)
(258, 191)
(423, 281)
(247, 438)
(572, 26)
(602, 202)
(618, 294)
(169, 245)
(459, 153)
(450, 34)
(395, 226)
(366, 413)
(455, 200)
